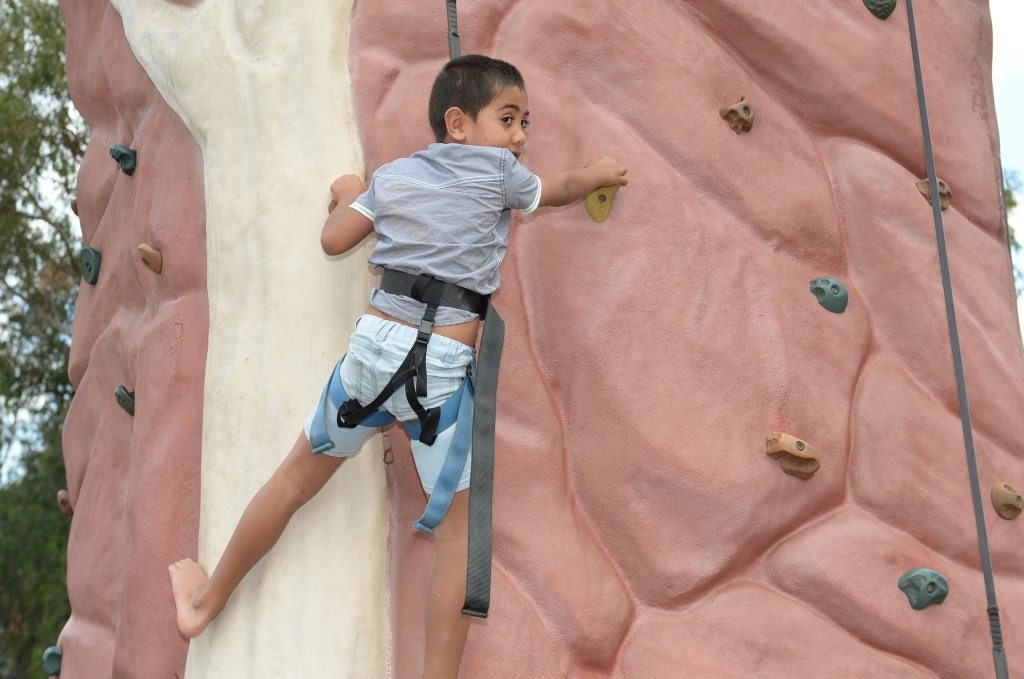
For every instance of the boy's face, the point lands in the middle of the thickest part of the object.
(502, 123)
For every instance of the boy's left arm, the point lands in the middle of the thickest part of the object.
(345, 227)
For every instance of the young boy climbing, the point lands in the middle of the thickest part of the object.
(442, 216)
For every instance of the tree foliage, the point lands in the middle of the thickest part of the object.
(1011, 189)
(41, 144)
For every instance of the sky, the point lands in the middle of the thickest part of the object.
(1008, 84)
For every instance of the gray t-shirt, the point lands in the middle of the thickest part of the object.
(445, 211)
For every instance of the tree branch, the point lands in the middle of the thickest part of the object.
(47, 314)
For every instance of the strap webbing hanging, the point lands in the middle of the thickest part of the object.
(998, 653)
(478, 574)
(454, 48)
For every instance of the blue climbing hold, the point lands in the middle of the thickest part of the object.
(125, 157)
(89, 261)
(880, 8)
(51, 660)
(831, 294)
(924, 587)
(125, 399)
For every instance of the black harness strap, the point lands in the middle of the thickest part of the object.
(478, 575)
(413, 372)
(426, 289)
(412, 285)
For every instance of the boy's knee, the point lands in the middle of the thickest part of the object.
(295, 490)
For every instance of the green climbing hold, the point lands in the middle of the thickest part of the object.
(124, 156)
(89, 261)
(125, 399)
(831, 294)
(880, 8)
(51, 660)
(924, 587)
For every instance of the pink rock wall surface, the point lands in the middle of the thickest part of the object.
(640, 529)
(133, 481)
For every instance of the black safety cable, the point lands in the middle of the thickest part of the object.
(998, 653)
(454, 48)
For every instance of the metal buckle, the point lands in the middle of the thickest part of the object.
(426, 328)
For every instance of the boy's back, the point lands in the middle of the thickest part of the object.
(446, 211)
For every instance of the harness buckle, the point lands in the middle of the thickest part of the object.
(346, 409)
(425, 330)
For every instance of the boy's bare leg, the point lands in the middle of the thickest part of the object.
(199, 599)
(447, 627)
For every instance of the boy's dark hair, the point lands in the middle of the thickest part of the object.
(469, 83)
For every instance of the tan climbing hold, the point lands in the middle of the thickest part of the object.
(740, 115)
(945, 195)
(151, 257)
(599, 202)
(796, 456)
(64, 500)
(1007, 501)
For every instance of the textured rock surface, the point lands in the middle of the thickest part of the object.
(133, 481)
(640, 530)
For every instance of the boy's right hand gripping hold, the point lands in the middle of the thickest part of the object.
(572, 185)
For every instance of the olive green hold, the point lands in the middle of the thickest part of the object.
(124, 156)
(89, 261)
(924, 587)
(125, 399)
(831, 294)
(51, 660)
(880, 8)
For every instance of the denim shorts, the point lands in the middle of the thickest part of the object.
(376, 350)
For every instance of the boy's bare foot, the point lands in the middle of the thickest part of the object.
(195, 611)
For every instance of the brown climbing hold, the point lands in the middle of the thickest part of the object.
(740, 115)
(599, 202)
(795, 456)
(945, 195)
(389, 454)
(1007, 501)
(64, 500)
(74, 206)
(151, 257)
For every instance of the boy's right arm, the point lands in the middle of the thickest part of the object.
(345, 227)
(572, 185)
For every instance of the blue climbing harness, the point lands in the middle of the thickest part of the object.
(457, 410)
(478, 392)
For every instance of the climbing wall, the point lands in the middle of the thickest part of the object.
(238, 133)
(641, 530)
(133, 479)
(640, 527)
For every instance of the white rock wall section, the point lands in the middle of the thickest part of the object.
(264, 88)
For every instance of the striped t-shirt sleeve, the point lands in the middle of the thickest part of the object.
(365, 204)
(522, 187)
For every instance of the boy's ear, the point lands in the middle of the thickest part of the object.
(455, 122)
